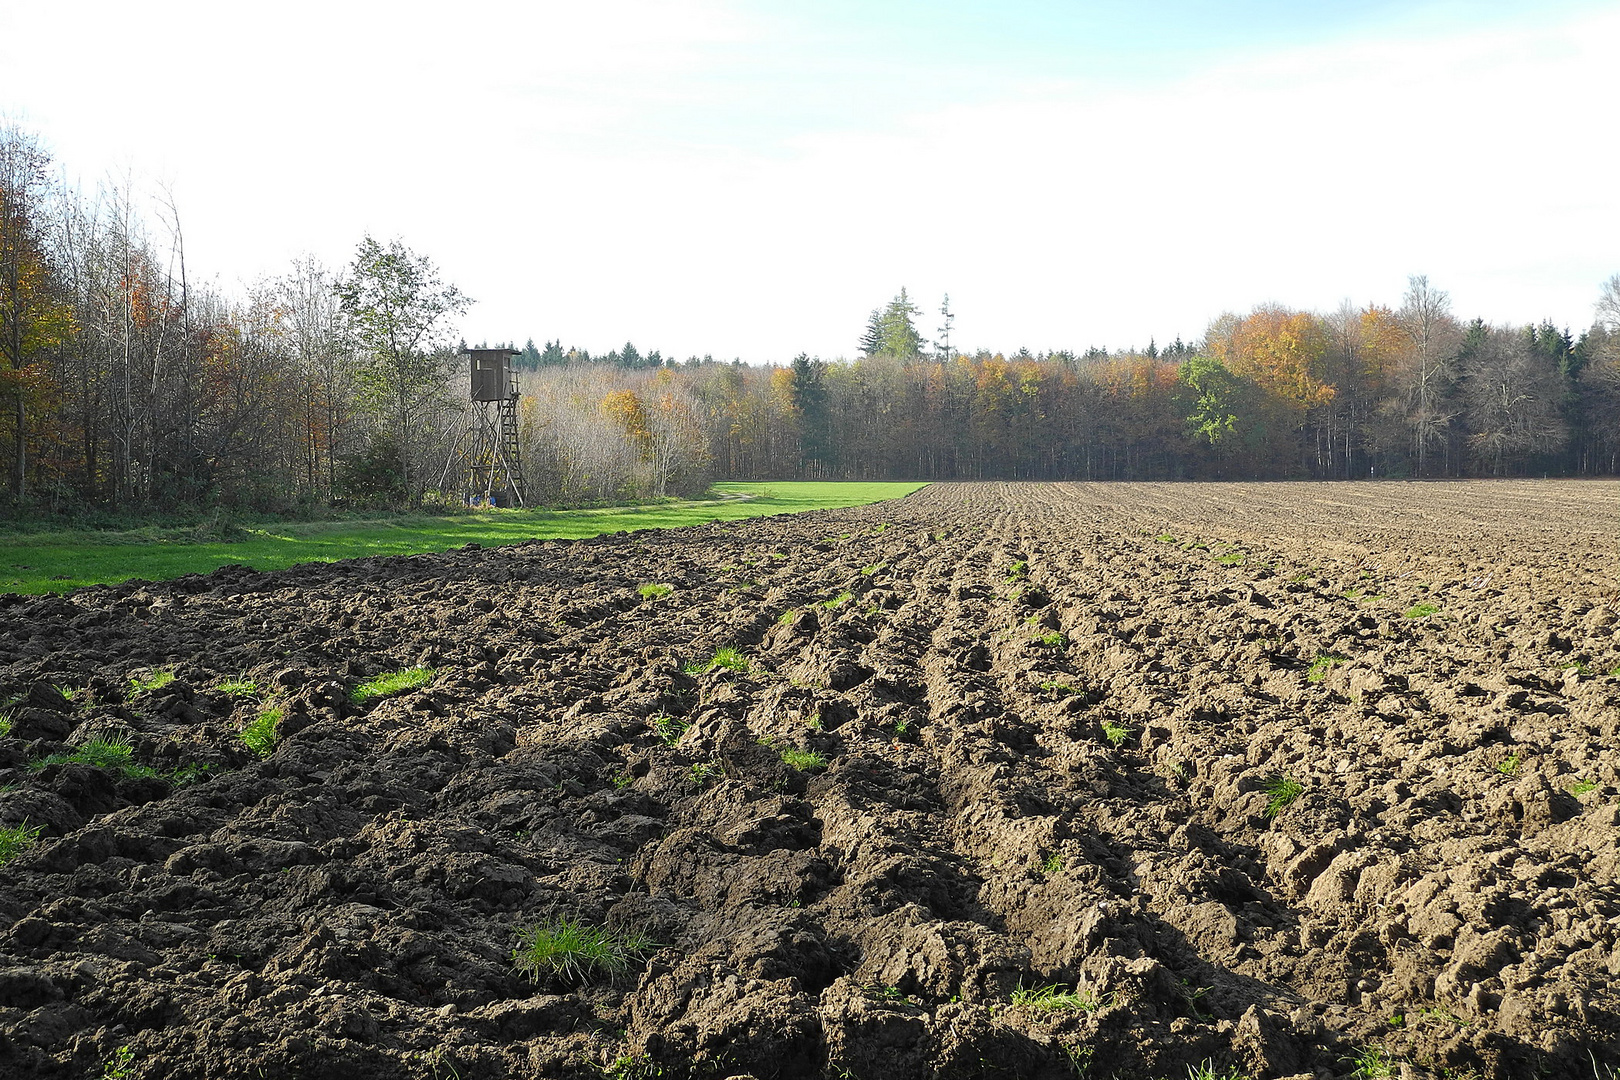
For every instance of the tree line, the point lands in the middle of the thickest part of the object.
(126, 384)
(1374, 391)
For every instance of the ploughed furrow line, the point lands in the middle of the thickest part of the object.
(1056, 780)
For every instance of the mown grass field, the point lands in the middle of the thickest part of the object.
(57, 562)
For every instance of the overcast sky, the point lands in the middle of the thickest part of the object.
(751, 179)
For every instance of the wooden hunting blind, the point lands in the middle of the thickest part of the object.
(494, 473)
(492, 374)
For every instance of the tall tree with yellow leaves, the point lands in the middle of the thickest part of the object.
(33, 316)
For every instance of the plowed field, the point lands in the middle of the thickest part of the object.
(1291, 779)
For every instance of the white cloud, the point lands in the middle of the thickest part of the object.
(571, 166)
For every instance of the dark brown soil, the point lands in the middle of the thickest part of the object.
(1053, 717)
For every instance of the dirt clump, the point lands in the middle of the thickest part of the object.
(999, 779)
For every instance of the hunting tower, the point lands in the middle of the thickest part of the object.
(495, 472)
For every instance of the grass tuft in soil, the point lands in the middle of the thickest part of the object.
(261, 734)
(1322, 665)
(1282, 792)
(804, 760)
(725, 658)
(391, 683)
(1207, 1070)
(1053, 998)
(145, 684)
(573, 951)
(16, 839)
(110, 753)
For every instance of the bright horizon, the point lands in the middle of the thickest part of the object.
(752, 180)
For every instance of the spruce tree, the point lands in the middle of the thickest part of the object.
(872, 339)
(529, 358)
(896, 332)
(809, 392)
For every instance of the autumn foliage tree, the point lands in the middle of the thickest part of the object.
(34, 317)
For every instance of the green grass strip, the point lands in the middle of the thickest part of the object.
(390, 683)
(57, 562)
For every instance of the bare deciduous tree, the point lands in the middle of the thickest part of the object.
(1511, 395)
(1428, 372)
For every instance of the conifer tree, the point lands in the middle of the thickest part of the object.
(897, 334)
(872, 338)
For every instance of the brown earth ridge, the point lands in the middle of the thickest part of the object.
(1053, 717)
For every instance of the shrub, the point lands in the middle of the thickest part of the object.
(372, 476)
(574, 951)
(390, 683)
(261, 734)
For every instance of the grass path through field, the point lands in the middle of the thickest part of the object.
(56, 563)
